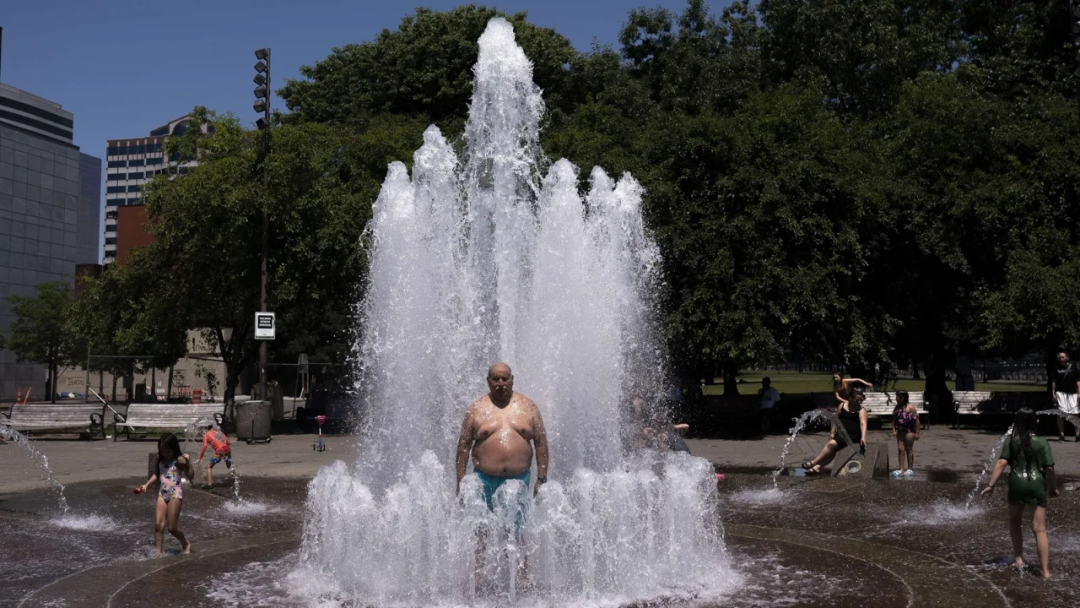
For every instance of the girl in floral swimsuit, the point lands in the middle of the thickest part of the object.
(171, 465)
(905, 429)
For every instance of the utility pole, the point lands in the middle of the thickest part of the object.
(1074, 23)
(262, 104)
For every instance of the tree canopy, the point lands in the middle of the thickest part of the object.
(856, 181)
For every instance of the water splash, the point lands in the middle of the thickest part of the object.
(8, 433)
(488, 259)
(991, 459)
(1072, 418)
(800, 424)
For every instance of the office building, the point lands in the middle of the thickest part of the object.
(41, 207)
(130, 164)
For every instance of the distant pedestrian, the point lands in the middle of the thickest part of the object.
(906, 431)
(768, 398)
(1031, 482)
(172, 465)
(1065, 385)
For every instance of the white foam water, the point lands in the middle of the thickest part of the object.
(90, 523)
(251, 507)
(769, 496)
(484, 259)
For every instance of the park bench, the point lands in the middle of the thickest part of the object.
(992, 404)
(881, 405)
(165, 416)
(57, 417)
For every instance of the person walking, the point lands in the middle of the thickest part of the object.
(905, 430)
(1031, 483)
(1065, 385)
(172, 464)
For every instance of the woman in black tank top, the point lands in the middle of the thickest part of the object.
(852, 418)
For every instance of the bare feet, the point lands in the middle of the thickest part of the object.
(1046, 575)
(1018, 565)
(187, 549)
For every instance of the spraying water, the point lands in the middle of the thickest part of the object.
(487, 259)
(10, 434)
(991, 459)
(800, 424)
(1072, 418)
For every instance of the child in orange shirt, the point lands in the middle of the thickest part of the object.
(222, 452)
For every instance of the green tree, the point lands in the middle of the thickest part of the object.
(422, 69)
(38, 334)
(207, 226)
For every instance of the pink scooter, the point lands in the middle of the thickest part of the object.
(320, 446)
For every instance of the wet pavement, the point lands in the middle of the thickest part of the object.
(808, 541)
(813, 541)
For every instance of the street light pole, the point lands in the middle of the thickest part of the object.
(262, 102)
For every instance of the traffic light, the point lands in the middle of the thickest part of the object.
(262, 88)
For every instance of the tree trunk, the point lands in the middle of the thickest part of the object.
(914, 370)
(52, 382)
(731, 385)
(168, 391)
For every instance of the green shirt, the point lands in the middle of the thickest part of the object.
(1023, 486)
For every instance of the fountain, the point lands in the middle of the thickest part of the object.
(9, 434)
(991, 459)
(487, 259)
(800, 424)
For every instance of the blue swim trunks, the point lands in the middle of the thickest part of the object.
(216, 458)
(491, 483)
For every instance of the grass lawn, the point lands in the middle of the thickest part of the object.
(794, 383)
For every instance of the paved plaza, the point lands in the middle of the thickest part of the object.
(807, 541)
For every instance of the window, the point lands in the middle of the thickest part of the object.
(113, 151)
(153, 161)
(135, 162)
(110, 227)
(139, 149)
(150, 148)
(111, 215)
(117, 163)
(136, 176)
(115, 189)
(110, 254)
(110, 240)
(122, 150)
(158, 132)
(133, 188)
(115, 177)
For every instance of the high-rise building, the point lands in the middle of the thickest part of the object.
(41, 208)
(131, 163)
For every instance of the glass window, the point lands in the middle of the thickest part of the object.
(110, 227)
(110, 254)
(153, 161)
(160, 131)
(139, 149)
(117, 163)
(133, 188)
(115, 177)
(113, 151)
(135, 162)
(136, 176)
(110, 240)
(154, 147)
(115, 189)
(122, 150)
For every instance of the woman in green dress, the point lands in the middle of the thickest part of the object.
(1031, 482)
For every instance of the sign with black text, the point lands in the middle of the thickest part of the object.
(264, 326)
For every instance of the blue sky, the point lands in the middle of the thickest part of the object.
(124, 67)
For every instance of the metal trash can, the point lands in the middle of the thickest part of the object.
(253, 421)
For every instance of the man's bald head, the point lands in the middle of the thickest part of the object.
(500, 383)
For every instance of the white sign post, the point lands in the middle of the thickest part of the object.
(264, 326)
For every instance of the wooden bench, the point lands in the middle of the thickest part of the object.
(881, 405)
(143, 416)
(58, 417)
(993, 404)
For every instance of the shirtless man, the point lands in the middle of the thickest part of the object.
(497, 430)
